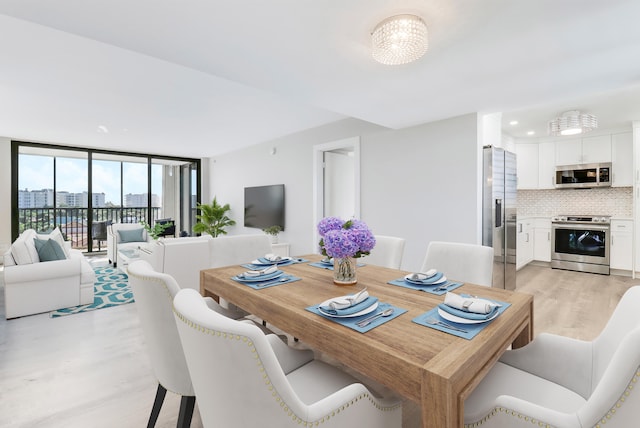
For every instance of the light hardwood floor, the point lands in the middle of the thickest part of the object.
(92, 370)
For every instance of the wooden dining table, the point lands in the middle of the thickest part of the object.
(435, 369)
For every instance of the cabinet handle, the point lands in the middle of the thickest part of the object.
(527, 237)
(549, 236)
(612, 240)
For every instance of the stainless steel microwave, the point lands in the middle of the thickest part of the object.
(583, 176)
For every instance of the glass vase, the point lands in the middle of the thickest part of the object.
(344, 271)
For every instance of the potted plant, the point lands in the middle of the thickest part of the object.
(156, 230)
(213, 219)
(273, 231)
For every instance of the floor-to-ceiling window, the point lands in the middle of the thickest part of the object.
(82, 191)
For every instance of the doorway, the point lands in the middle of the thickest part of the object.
(336, 180)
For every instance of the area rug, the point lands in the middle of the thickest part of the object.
(110, 289)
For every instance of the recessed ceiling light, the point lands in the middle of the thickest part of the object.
(531, 132)
(513, 122)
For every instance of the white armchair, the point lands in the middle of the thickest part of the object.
(562, 382)
(461, 262)
(243, 378)
(124, 236)
(153, 293)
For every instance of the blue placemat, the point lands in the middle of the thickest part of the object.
(293, 261)
(451, 285)
(269, 283)
(471, 330)
(351, 322)
(329, 267)
(321, 265)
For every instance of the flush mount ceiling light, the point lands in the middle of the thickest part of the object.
(572, 122)
(399, 39)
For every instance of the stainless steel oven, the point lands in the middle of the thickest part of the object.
(581, 243)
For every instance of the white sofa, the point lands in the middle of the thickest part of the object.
(115, 243)
(32, 286)
(184, 258)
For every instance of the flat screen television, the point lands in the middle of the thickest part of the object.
(264, 206)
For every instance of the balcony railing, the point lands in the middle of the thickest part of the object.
(74, 223)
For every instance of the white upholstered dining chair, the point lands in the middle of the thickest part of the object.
(237, 249)
(388, 252)
(563, 382)
(461, 262)
(244, 378)
(153, 294)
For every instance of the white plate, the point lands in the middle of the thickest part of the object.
(357, 314)
(450, 317)
(438, 282)
(270, 263)
(260, 278)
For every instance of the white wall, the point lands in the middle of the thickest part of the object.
(419, 183)
(5, 194)
(291, 165)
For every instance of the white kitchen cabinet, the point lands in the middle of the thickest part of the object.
(583, 150)
(569, 152)
(542, 240)
(546, 165)
(596, 149)
(622, 159)
(620, 254)
(524, 243)
(527, 164)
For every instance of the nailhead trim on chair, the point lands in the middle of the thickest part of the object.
(621, 400)
(534, 421)
(294, 418)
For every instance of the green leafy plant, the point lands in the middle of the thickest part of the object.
(156, 230)
(213, 219)
(272, 230)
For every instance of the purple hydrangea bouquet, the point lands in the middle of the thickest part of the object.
(344, 241)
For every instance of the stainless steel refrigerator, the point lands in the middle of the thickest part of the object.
(499, 213)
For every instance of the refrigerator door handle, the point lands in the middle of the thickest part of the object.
(498, 220)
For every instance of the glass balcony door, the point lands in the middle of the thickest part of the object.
(82, 191)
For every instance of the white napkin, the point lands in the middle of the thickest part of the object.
(421, 276)
(252, 273)
(469, 304)
(272, 257)
(349, 300)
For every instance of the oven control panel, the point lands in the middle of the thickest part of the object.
(602, 219)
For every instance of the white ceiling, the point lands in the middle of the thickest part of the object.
(203, 77)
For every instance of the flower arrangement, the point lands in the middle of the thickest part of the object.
(342, 239)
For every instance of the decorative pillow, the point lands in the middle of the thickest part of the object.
(49, 250)
(133, 235)
(23, 250)
(57, 236)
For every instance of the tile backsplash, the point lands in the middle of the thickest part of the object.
(613, 201)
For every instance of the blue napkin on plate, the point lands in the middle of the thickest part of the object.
(351, 309)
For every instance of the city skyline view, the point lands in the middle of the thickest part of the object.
(36, 173)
